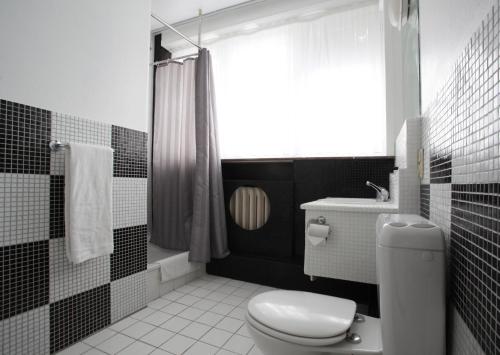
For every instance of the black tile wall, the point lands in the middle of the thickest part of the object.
(424, 200)
(37, 282)
(461, 131)
(130, 254)
(76, 317)
(130, 156)
(56, 206)
(475, 255)
(24, 138)
(24, 271)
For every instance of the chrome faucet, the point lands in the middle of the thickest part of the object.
(382, 194)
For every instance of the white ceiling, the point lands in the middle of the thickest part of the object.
(174, 11)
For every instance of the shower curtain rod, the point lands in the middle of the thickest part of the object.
(166, 61)
(159, 19)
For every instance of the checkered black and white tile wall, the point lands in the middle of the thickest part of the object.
(461, 187)
(47, 303)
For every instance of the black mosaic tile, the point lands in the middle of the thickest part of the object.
(56, 206)
(475, 253)
(78, 316)
(440, 168)
(130, 251)
(130, 152)
(424, 200)
(24, 271)
(24, 139)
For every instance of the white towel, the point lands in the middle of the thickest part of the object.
(88, 201)
(176, 266)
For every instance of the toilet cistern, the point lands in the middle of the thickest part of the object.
(382, 194)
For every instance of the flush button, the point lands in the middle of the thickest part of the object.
(427, 256)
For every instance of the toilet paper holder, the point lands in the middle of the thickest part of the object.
(318, 220)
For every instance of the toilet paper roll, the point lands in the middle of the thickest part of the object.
(317, 233)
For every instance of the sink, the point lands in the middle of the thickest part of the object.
(351, 205)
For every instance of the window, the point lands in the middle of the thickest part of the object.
(303, 89)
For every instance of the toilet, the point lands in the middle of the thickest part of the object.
(411, 278)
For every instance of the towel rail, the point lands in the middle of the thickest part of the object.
(57, 146)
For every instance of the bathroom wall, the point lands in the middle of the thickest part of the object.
(461, 137)
(47, 303)
(88, 58)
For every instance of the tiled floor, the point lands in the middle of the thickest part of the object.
(203, 317)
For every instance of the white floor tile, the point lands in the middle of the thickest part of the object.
(178, 344)
(200, 348)
(175, 324)
(124, 323)
(186, 288)
(255, 351)
(233, 300)
(244, 331)
(77, 349)
(175, 308)
(188, 300)
(172, 296)
(205, 316)
(238, 313)
(158, 303)
(195, 330)
(210, 318)
(137, 330)
(216, 337)
(157, 337)
(200, 292)
(116, 343)
(250, 286)
(94, 351)
(216, 296)
(225, 352)
(227, 289)
(99, 337)
(191, 313)
(204, 304)
(137, 348)
(160, 352)
(230, 324)
(222, 308)
(142, 313)
(157, 318)
(239, 344)
(235, 283)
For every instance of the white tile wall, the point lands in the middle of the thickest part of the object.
(129, 202)
(26, 333)
(349, 253)
(24, 208)
(66, 128)
(68, 279)
(127, 295)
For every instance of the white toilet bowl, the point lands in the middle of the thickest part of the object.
(303, 323)
(410, 269)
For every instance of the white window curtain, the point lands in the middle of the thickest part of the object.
(305, 89)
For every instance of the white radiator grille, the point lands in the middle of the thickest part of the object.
(249, 207)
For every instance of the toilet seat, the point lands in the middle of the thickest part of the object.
(302, 317)
(292, 338)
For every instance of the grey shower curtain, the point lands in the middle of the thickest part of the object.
(187, 194)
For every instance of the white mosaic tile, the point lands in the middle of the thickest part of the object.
(128, 295)
(68, 279)
(26, 333)
(24, 208)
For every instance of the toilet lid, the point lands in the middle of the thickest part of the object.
(303, 314)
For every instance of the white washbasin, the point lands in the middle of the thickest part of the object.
(350, 204)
